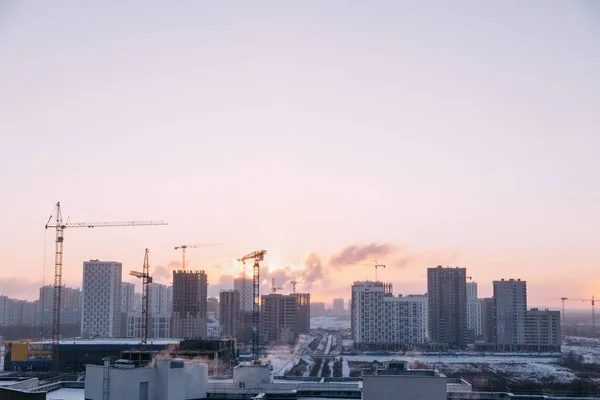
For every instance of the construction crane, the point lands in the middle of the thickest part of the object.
(593, 301)
(376, 267)
(184, 248)
(294, 283)
(257, 256)
(563, 299)
(60, 227)
(274, 288)
(146, 279)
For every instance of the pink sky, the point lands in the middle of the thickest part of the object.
(464, 134)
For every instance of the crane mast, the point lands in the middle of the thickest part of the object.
(257, 256)
(146, 279)
(60, 227)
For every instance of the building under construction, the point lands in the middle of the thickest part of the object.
(279, 319)
(303, 304)
(189, 304)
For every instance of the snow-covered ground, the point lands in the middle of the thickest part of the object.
(329, 322)
(66, 394)
(589, 348)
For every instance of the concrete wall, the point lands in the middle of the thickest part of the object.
(399, 387)
(250, 376)
(124, 383)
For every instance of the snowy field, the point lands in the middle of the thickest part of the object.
(329, 322)
(66, 394)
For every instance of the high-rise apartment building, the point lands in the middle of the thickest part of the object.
(447, 292)
(317, 308)
(70, 311)
(279, 319)
(17, 312)
(160, 299)
(245, 288)
(303, 305)
(189, 304)
(101, 291)
(229, 305)
(473, 312)
(159, 325)
(382, 321)
(510, 307)
(338, 306)
(127, 297)
(488, 326)
(542, 330)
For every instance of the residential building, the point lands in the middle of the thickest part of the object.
(159, 325)
(212, 307)
(101, 291)
(127, 297)
(487, 320)
(245, 287)
(473, 312)
(542, 330)
(189, 304)
(303, 304)
(70, 311)
(229, 304)
(278, 319)
(338, 306)
(213, 329)
(160, 299)
(510, 307)
(446, 288)
(382, 321)
(317, 309)
(17, 312)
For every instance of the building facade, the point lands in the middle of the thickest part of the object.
(542, 330)
(473, 312)
(447, 292)
(278, 319)
(127, 297)
(382, 321)
(189, 304)
(245, 287)
(303, 304)
(70, 311)
(160, 299)
(338, 306)
(159, 325)
(229, 304)
(487, 320)
(317, 309)
(510, 307)
(101, 291)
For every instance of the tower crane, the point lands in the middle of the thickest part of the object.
(563, 299)
(376, 267)
(593, 301)
(294, 283)
(60, 227)
(146, 279)
(274, 288)
(184, 247)
(257, 256)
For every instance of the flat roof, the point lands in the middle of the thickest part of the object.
(117, 341)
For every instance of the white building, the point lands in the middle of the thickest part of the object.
(159, 328)
(381, 320)
(168, 380)
(473, 311)
(213, 329)
(160, 299)
(101, 291)
(245, 287)
(127, 297)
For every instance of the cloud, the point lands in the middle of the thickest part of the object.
(20, 288)
(356, 253)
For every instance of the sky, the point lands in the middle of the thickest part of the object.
(329, 133)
